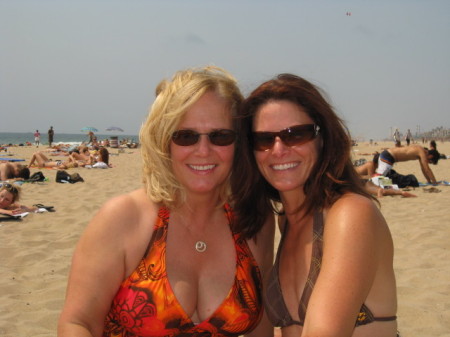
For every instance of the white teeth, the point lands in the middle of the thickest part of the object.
(202, 167)
(281, 167)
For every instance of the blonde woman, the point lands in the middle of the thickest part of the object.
(167, 260)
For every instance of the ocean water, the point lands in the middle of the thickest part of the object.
(13, 138)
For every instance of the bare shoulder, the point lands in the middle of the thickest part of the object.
(353, 211)
(126, 207)
(124, 217)
(357, 220)
(353, 202)
(122, 227)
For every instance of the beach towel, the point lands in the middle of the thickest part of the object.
(101, 165)
(441, 182)
(5, 217)
(15, 217)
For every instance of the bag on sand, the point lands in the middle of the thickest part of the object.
(64, 177)
(37, 176)
(403, 180)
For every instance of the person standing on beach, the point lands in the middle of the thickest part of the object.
(397, 140)
(51, 133)
(91, 137)
(167, 259)
(37, 138)
(333, 274)
(408, 137)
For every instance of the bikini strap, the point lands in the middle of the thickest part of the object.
(159, 237)
(316, 262)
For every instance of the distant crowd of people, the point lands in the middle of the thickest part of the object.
(11, 173)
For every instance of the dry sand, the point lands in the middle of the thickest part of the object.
(35, 253)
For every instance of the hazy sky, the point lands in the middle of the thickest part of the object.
(72, 63)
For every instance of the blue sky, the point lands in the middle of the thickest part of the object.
(80, 63)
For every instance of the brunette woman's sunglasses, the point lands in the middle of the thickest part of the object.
(222, 137)
(294, 135)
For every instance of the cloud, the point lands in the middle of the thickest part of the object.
(189, 39)
(194, 39)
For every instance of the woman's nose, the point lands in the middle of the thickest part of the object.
(278, 146)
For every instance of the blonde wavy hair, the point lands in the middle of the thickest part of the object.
(13, 189)
(173, 98)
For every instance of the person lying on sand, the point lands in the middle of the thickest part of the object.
(83, 154)
(9, 195)
(13, 171)
(101, 159)
(367, 170)
(42, 161)
(381, 192)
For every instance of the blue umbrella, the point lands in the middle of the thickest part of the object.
(89, 128)
(114, 128)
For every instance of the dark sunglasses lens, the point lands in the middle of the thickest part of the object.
(222, 137)
(263, 140)
(185, 137)
(189, 137)
(298, 135)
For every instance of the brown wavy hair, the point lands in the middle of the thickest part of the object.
(332, 176)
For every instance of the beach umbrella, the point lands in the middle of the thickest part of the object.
(88, 129)
(114, 128)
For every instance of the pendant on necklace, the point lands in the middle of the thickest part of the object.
(200, 246)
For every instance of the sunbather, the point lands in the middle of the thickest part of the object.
(101, 160)
(367, 170)
(13, 171)
(381, 192)
(9, 195)
(42, 161)
(413, 152)
(83, 154)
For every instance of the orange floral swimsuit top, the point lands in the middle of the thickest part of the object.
(145, 304)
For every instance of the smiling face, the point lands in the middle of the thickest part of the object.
(203, 167)
(6, 199)
(285, 168)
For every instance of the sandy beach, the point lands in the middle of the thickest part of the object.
(35, 253)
